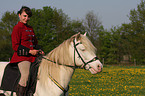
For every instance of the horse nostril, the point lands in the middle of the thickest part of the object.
(98, 66)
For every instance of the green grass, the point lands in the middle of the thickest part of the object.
(113, 81)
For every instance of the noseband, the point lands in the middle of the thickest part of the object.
(84, 63)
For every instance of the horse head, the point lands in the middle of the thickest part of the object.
(84, 54)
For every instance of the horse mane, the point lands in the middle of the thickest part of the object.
(61, 55)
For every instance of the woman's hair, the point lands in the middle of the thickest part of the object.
(26, 9)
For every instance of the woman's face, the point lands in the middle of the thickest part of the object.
(24, 18)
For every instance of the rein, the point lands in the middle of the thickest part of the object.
(73, 67)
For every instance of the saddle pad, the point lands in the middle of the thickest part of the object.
(10, 77)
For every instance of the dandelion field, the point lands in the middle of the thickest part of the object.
(112, 81)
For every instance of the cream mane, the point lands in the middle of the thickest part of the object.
(61, 55)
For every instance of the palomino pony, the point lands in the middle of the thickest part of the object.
(57, 67)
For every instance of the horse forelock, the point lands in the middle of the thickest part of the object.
(88, 44)
(85, 41)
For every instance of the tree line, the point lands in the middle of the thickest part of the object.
(121, 44)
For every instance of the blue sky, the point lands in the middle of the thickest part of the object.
(110, 12)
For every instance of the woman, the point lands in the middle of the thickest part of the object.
(24, 44)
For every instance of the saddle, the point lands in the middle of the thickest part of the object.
(12, 75)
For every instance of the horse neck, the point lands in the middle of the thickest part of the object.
(62, 74)
(62, 55)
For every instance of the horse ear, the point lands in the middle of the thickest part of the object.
(85, 34)
(78, 36)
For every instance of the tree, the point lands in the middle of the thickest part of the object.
(130, 37)
(93, 26)
(92, 23)
(136, 33)
(9, 19)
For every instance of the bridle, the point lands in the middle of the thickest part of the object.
(84, 63)
(73, 67)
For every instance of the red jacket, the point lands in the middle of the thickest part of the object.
(23, 34)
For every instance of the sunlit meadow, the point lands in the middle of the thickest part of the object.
(113, 81)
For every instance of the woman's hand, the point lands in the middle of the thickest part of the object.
(36, 52)
(33, 52)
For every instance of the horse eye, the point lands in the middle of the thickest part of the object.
(83, 49)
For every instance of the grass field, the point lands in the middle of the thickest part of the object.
(113, 81)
